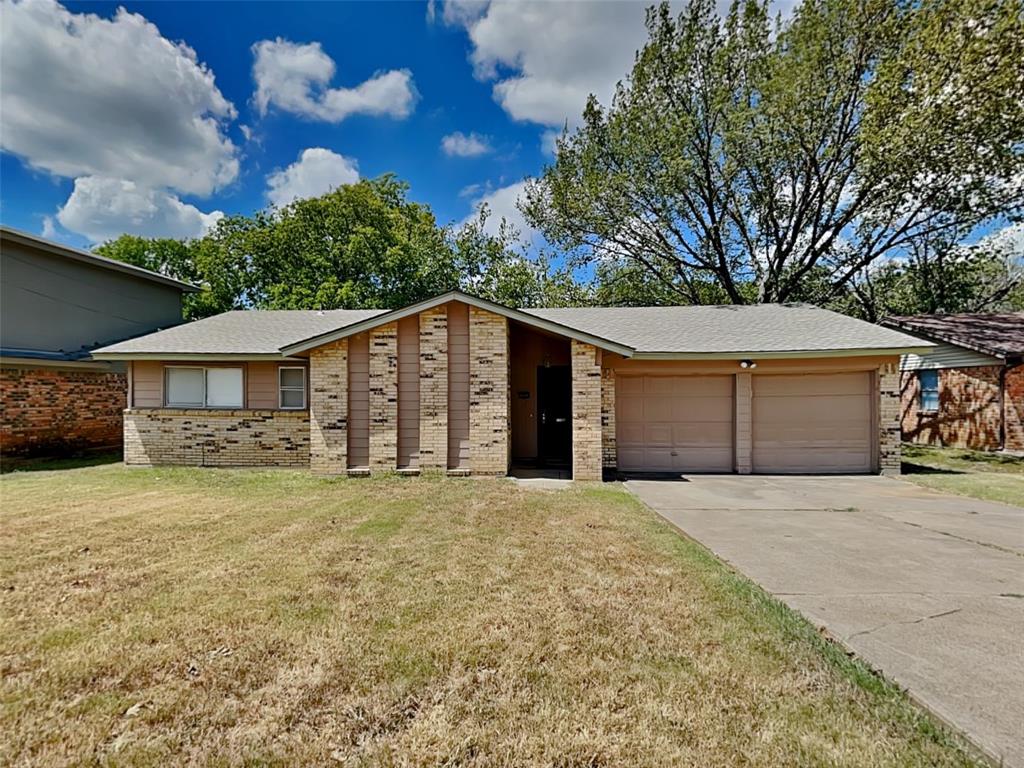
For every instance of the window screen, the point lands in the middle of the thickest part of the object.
(929, 399)
(185, 387)
(224, 387)
(292, 387)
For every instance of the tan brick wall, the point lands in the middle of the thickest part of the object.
(384, 397)
(586, 411)
(889, 419)
(969, 414)
(1013, 408)
(328, 408)
(609, 450)
(743, 420)
(48, 411)
(488, 393)
(215, 438)
(434, 388)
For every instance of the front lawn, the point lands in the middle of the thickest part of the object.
(982, 475)
(222, 617)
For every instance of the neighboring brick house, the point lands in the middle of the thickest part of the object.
(466, 386)
(968, 391)
(57, 304)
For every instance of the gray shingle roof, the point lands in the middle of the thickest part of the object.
(729, 329)
(242, 332)
(717, 330)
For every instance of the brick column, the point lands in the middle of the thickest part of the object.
(889, 419)
(742, 420)
(434, 388)
(328, 408)
(586, 412)
(1013, 409)
(609, 450)
(384, 398)
(488, 393)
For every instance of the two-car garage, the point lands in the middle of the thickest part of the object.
(808, 422)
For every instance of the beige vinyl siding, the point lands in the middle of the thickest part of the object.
(147, 384)
(814, 423)
(409, 391)
(458, 385)
(359, 400)
(675, 423)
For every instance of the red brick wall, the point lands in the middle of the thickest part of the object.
(1013, 408)
(969, 413)
(51, 412)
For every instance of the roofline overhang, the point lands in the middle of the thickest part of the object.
(94, 259)
(197, 357)
(473, 301)
(780, 354)
(955, 341)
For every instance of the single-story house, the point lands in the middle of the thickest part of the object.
(461, 384)
(968, 390)
(57, 304)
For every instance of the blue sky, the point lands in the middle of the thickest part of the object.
(156, 119)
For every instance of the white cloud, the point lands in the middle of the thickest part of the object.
(501, 203)
(89, 96)
(546, 58)
(103, 208)
(49, 228)
(459, 144)
(294, 77)
(317, 171)
(1008, 240)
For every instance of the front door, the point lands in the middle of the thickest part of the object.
(554, 415)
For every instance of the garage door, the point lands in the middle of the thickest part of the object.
(817, 423)
(674, 423)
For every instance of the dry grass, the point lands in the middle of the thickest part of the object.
(254, 618)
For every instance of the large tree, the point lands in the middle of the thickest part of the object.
(779, 160)
(362, 245)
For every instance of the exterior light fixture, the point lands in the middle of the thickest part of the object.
(748, 364)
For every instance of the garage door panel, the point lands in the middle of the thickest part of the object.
(812, 423)
(675, 423)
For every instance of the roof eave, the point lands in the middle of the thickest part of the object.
(193, 356)
(781, 354)
(465, 298)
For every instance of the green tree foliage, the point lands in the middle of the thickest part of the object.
(363, 245)
(780, 161)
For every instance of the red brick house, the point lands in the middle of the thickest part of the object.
(967, 391)
(461, 385)
(56, 305)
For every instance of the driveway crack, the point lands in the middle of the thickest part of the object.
(962, 538)
(904, 623)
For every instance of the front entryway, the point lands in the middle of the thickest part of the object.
(554, 415)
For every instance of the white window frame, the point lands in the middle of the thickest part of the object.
(281, 388)
(203, 406)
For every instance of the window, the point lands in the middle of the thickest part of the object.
(292, 387)
(203, 387)
(928, 399)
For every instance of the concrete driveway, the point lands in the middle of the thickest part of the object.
(926, 587)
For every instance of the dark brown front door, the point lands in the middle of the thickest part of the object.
(554, 415)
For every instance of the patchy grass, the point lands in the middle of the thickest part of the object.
(49, 464)
(267, 617)
(979, 474)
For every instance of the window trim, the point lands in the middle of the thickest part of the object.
(203, 406)
(281, 388)
(921, 390)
